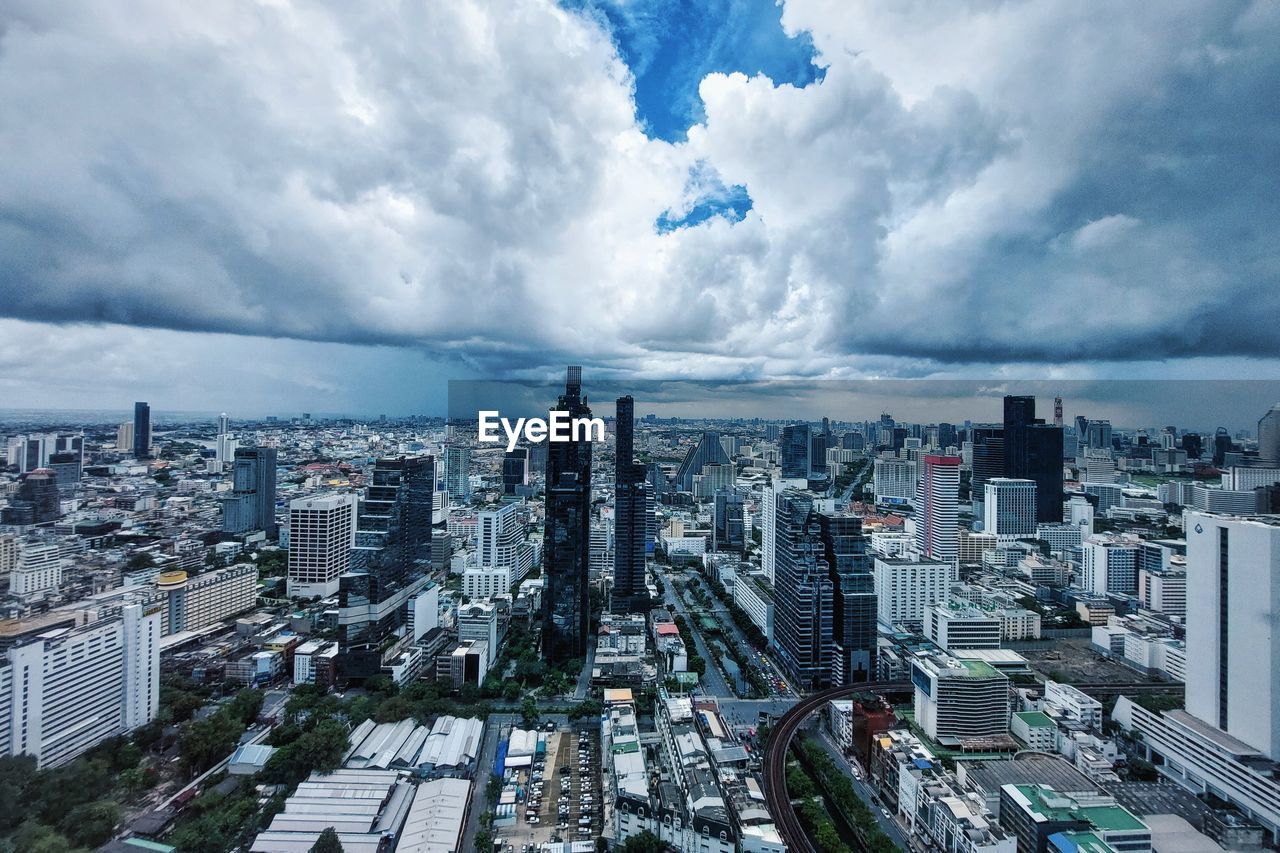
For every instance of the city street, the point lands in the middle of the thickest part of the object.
(713, 682)
(889, 826)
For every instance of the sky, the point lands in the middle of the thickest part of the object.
(287, 206)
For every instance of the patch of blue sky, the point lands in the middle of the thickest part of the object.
(709, 197)
(670, 45)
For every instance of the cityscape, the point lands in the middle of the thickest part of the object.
(639, 426)
(1042, 632)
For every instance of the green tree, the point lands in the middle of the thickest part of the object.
(529, 712)
(327, 842)
(35, 837)
(16, 773)
(92, 824)
(645, 842)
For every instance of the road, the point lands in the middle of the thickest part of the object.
(888, 826)
(493, 729)
(775, 756)
(713, 682)
(584, 678)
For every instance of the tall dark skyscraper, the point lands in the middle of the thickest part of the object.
(566, 602)
(803, 593)
(141, 431)
(844, 547)
(1033, 451)
(988, 458)
(252, 504)
(631, 501)
(388, 564)
(794, 449)
(729, 531)
(36, 501)
(515, 470)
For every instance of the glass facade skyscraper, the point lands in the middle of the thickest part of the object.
(141, 431)
(1033, 451)
(631, 502)
(567, 536)
(794, 450)
(803, 592)
(388, 564)
(844, 547)
(252, 504)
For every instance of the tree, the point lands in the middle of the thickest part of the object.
(92, 824)
(529, 712)
(645, 842)
(328, 842)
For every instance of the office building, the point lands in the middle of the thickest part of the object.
(479, 621)
(500, 541)
(937, 507)
(794, 449)
(631, 523)
(191, 603)
(1269, 436)
(457, 471)
(1233, 666)
(1009, 508)
(515, 471)
(37, 569)
(252, 503)
(567, 535)
(1110, 564)
(36, 501)
(960, 702)
(1033, 451)
(67, 468)
(769, 527)
(905, 588)
(954, 628)
(803, 593)
(64, 690)
(1164, 589)
(124, 437)
(894, 480)
(728, 522)
(707, 451)
(854, 634)
(1098, 466)
(1044, 819)
(486, 582)
(322, 532)
(141, 431)
(391, 551)
(987, 459)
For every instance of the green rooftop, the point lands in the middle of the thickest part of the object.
(1035, 719)
(981, 669)
(1112, 818)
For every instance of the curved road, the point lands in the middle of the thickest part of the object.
(775, 755)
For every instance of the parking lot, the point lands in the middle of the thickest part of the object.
(562, 796)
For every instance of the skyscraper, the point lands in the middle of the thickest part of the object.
(794, 448)
(1233, 649)
(457, 470)
(1269, 435)
(567, 535)
(36, 502)
(707, 451)
(937, 507)
(729, 531)
(803, 593)
(392, 548)
(1010, 508)
(853, 609)
(141, 431)
(1033, 451)
(630, 592)
(988, 460)
(252, 503)
(322, 532)
(515, 470)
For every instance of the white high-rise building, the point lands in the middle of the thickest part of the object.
(1111, 564)
(937, 507)
(124, 436)
(38, 570)
(500, 542)
(65, 690)
(905, 588)
(322, 532)
(1233, 647)
(894, 480)
(1080, 513)
(1098, 466)
(479, 621)
(486, 582)
(1009, 507)
(769, 524)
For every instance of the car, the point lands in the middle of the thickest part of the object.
(886, 814)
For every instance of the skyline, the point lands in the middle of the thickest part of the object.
(287, 205)
(1128, 404)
